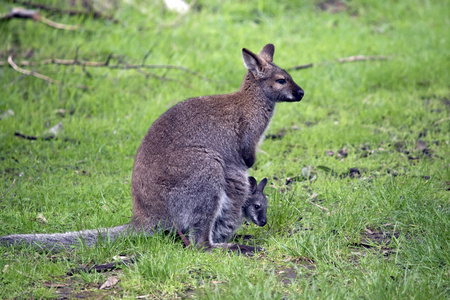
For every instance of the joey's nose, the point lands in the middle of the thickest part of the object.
(263, 222)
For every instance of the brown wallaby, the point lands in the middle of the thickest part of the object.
(191, 168)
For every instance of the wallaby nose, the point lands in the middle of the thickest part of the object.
(300, 94)
(263, 222)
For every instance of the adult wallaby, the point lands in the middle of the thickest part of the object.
(191, 167)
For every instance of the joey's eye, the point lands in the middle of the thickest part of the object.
(257, 206)
(281, 81)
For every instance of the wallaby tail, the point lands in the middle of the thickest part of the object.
(59, 241)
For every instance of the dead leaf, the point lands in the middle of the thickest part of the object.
(54, 131)
(5, 269)
(6, 114)
(120, 257)
(368, 231)
(41, 218)
(112, 281)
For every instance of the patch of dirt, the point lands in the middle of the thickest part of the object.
(377, 237)
(277, 136)
(374, 240)
(352, 173)
(289, 273)
(76, 288)
(333, 6)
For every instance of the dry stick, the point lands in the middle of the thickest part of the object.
(32, 73)
(58, 25)
(312, 197)
(342, 60)
(105, 64)
(14, 181)
(94, 14)
(37, 75)
(440, 121)
(361, 58)
(21, 13)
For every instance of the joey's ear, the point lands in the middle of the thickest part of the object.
(267, 52)
(262, 184)
(252, 62)
(253, 184)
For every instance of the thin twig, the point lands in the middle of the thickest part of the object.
(302, 67)
(30, 73)
(361, 58)
(440, 121)
(14, 181)
(314, 196)
(21, 13)
(58, 25)
(341, 60)
(106, 64)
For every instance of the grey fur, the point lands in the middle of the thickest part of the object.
(59, 241)
(191, 167)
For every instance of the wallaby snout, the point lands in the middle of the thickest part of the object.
(300, 93)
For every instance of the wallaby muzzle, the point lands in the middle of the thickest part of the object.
(300, 94)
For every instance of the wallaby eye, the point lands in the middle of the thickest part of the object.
(281, 81)
(257, 206)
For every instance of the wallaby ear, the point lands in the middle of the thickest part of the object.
(253, 184)
(252, 62)
(262, 184)
(267, 52)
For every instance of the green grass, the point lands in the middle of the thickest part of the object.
(391, 116)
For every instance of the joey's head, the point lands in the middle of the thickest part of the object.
(275, 82)
(255, 208)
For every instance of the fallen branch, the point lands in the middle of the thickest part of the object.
(106, 64)
(440, 121)
(341, 60)
(321, 207)
(21, 13)
(30, 73)
(301, 67)
(93, 13)
(45, 138)
(361, 58)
